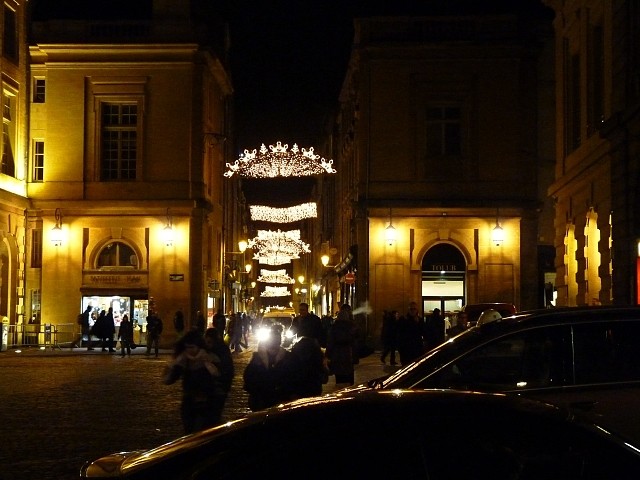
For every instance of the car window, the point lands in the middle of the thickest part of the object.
(607, 352)
(535, 358)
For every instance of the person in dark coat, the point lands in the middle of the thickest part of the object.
(220, 323)
(203, 393)
(410, 335)
(268, 378)
(201, 323)
(434, 330)
(154, 330)
(311, 372)
(215, 344)
(307, 324)
(125, 335)
(340, 346)
(85, 329)
(389, 335)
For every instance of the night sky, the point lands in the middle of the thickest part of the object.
(288, 58)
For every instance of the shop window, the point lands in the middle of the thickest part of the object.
(117, 255)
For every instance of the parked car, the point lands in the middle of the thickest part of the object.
(474, 310)
(581, 358)
(383, 434)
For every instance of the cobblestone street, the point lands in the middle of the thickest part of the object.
(59, 408)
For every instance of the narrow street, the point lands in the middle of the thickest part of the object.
(60, 408)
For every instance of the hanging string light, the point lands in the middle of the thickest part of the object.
(275, 292)
(275, 276)
(278, 161)
(283, 215)
(275, 259)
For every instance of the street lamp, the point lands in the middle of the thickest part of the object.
(56, 231)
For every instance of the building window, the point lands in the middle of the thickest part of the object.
(572, 99)
(10, 35)
(35, 305)
(117, 255)
(595, 78)
(36, 248)
(38, 161)
(119, 141)
(444, 131)
(39, 90)
(8, 134)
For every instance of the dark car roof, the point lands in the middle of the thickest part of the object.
(573, 315)
(477, 335)
(427, 410)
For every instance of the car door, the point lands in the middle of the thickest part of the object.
(607, 375)
(527, 360)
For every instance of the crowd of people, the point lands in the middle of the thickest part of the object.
(411, 335)
(203, 353)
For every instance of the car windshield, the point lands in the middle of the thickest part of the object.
(409, 376)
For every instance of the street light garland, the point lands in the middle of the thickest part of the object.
(279, 243)
(275, 276)
(275, 292)
(278, 161)
(283, 215)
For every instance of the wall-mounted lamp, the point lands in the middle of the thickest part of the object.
(301, 279)
(242, 245)
(167, 232)
(56, 231)
(497, 235)
(325, 260)
(390, 233)
(247, 268)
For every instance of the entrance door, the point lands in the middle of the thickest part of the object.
(443, 279)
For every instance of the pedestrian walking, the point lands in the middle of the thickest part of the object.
(215, 345)
(309, 366)
(340, 346)
(154, 330)
(202, 390)
(125, 335)
(201, 324)
(268, 376)
(85, 329)
(307, 324)
(220, 323)
(389, 335)
(410, 335)
(235, 333)
(109, 331)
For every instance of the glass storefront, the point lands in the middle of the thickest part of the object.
(137, 309)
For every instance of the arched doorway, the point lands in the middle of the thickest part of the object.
(443, 278)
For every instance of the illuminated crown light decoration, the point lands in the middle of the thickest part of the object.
(283, 215)
(275, 292)
(269, 243)
(275, 276)
(279, 162)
